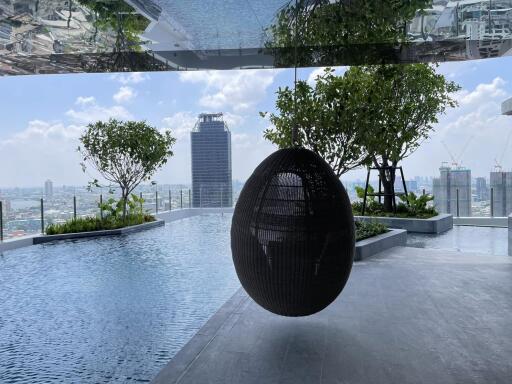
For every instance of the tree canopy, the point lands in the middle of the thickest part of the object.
(371, 115)
(124, 153)
(326, 120)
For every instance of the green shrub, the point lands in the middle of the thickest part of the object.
(417, 207)
(91, 224)
(112, 219)
(365, 229)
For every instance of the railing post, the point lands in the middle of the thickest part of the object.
(181, 198)
(458, 212)
(170, 200)
(189, 199)
(101, 206)
(74, 207)
(492, 202)
(156, 201)
(1, 222)
(42, 216)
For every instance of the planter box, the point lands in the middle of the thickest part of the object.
(437, 224)
(369, 247)
(112, 232)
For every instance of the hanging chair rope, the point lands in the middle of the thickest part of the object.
(295, 132)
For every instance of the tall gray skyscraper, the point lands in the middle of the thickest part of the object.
(211, 162)
(482, 192)
(48, 189)
(501, 184)
(453, 182)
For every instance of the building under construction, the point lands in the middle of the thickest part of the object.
(452, 191)
(501, 186)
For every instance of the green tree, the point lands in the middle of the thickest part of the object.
(398, 112)
(325, 116)
(125, 153)
(329, 32)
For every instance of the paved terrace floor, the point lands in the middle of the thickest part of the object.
(406, 316)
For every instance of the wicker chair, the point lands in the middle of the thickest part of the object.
(292, 235)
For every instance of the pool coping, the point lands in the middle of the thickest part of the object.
(178, 366)
(111, 232)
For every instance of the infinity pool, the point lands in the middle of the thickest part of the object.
(111, 310)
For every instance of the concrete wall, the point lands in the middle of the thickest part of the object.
(373, 245)
(437, 224)
(179, 214)
(481, 221)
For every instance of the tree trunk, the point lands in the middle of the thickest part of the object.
(124, 199)
(387, 176)
(388, 190)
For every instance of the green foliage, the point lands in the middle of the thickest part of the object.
(328, 32)
(113, 217)
(115, 207)
(325, 116)
(400, 107)
(417, 207)
(124, 153)
(367, 229)
(360, 193)
(91, 224)
(417, 203)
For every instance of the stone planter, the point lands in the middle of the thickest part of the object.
(112, 232)
(373, 245)
(437, 224)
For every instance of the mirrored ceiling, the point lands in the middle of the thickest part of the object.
(66, 36)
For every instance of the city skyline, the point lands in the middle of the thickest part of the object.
(39, 142)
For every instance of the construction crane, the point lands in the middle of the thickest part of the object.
(498, 162)
(456, 161)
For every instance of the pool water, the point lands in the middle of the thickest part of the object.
(482, 240)
(111, 310)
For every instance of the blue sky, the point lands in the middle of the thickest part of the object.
(43, 115)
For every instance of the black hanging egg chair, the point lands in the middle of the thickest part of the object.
(293, 235)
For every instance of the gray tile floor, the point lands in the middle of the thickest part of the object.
(406, 316)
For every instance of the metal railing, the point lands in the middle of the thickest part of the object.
(33, 214)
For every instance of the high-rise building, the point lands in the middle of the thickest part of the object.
(501, 184)
(411, 185)
(6, 205)
(482, 192)
(48, 189)
(211, 162)
(453, 189)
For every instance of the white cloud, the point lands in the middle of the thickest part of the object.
(236, 90)
(180, 124)
(124, 95)
(319, 71)
(131, 78)
(38, 130)
(91, 111)
(82, 100)
(484, 92)
(42, 150)
(475, 133)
